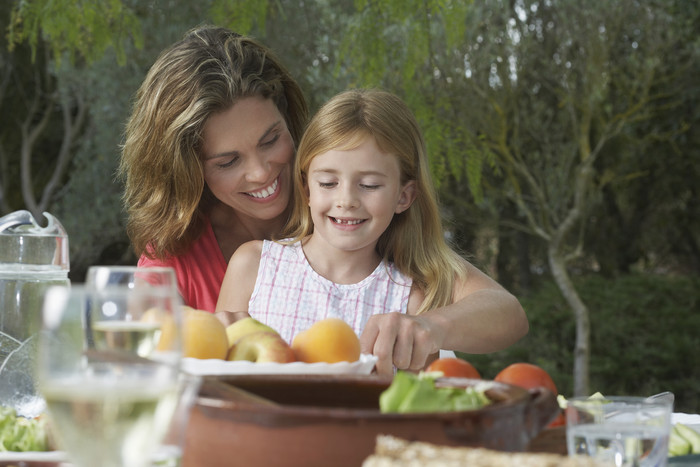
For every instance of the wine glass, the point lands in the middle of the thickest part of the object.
(108, 367)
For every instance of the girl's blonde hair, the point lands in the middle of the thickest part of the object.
(205, 73)
(414, 240)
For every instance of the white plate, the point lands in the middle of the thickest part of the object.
(33, 456)
(363, 366)
(692, 420)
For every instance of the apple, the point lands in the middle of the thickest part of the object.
(261, 347)
(243, 327)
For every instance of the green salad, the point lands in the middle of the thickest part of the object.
(411, 393)
(21, 434)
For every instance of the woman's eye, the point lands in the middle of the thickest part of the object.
(226, 165)
(271, 141)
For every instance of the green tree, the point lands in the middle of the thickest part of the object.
(545, 92)
(557, 131)
(44, 115)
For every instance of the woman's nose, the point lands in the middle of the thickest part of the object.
(257, 169)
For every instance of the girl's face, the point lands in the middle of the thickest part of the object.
(354, 194)
(247, 154)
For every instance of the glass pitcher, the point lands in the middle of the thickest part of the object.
(32, 258)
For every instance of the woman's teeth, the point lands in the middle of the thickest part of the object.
(265, 192)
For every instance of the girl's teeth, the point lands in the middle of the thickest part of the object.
(352, 222)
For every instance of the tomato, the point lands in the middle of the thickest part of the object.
(454, 367)
(560, 420)
(526, 375)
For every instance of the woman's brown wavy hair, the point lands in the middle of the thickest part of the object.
(165, 197)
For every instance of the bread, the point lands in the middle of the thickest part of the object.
(395, 452)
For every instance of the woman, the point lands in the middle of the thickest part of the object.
(207, 156)
(207, 165)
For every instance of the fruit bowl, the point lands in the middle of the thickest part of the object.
(307, 420)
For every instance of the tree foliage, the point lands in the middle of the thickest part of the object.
(559, 132)
(86, 27)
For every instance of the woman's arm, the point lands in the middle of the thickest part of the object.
(239, 283)
(483, 318)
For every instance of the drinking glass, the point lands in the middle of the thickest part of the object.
(108, 367)
(131, 276)
(621, 431)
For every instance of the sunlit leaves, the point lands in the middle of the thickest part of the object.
(409, 47)
(85, 28)
(239, 15)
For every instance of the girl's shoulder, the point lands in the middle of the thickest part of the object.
(248, 253)
(415, 299)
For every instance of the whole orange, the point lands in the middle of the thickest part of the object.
(526, 375)
(454, 367)
(330, 340)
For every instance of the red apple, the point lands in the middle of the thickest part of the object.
(261, 347)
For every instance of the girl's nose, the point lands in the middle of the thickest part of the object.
(347, 199)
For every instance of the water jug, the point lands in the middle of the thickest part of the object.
(32, 258)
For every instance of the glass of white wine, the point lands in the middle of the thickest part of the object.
(108, 367)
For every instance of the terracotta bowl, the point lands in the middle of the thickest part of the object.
(325, 420)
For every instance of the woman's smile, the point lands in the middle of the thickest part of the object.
(266, 193)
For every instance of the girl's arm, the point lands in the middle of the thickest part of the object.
(239, 282)
(483, 318)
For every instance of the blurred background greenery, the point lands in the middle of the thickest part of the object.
(562, 135)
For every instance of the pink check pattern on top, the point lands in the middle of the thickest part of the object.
(290, 296)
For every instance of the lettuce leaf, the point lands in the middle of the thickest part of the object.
(411, 393)
(21, 434)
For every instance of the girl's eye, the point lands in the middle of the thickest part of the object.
(367, 186)
(326, 184)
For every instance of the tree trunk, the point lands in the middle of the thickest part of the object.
(557, 263)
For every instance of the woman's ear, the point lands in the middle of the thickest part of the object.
(406, 197)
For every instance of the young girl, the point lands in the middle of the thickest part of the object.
(365, 243)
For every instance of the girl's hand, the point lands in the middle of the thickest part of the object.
(230, 317)
(401, 340)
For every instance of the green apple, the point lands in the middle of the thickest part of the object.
(243, 327)
(261, 347)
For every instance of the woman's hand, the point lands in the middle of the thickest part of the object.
(401, 340)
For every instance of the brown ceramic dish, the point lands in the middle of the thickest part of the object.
(292, 420)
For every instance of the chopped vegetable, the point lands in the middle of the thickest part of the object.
(21, 434)
(410, 393)
(683, 440)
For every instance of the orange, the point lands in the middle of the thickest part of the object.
(330, 340)
(526, 375)
(454, 367)
(204, 336)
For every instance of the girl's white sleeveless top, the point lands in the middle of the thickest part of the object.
(290, 296)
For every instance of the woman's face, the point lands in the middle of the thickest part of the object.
(247, 155)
